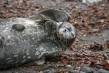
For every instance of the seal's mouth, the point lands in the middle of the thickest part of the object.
(66, 36)
(60, 35)
(65, 40)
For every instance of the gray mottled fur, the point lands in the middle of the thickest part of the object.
(23, 40)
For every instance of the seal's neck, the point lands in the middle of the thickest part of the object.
(64, 43)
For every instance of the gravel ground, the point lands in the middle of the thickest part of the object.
(68, 63)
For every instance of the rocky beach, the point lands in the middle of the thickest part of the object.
(90, 51)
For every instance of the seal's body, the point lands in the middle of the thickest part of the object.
(23, 40)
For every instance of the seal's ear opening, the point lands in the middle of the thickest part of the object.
(56, 15)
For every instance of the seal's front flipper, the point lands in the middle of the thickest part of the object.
(40, 61)
(48, 50)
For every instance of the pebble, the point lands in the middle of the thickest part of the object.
(30, 72)
(49, 71)
(76, 71)
(68, 66)
(87, 70)
(46, 71)
(102, 71)
(96, 72)
(9, 72)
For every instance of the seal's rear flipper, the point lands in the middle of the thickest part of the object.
(56, 15)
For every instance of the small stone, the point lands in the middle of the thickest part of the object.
(32, 72)
(76, 68)
(96, 72)
(103, 17)
(46, 71)
(14, 72)
(41, 72)
(9, 72)
(52, 71)
(87, 70)
(49, 71)
(76, 71)
(68, 66)
(102, 71)
(107, 61)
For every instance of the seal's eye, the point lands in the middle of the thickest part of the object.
(65, 30)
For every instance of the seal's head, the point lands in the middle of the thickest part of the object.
(66, 31)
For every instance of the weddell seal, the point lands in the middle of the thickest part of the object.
(23, 40)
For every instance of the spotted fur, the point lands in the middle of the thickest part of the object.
(23, 40)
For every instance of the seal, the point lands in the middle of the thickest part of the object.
(23, 40)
